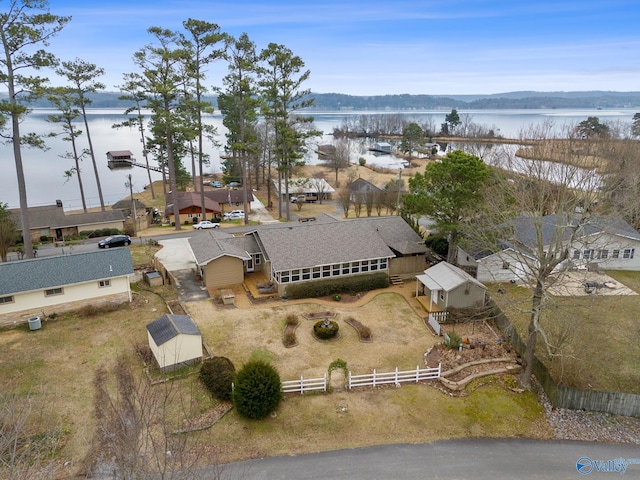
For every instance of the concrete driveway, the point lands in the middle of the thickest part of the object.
(177, 258)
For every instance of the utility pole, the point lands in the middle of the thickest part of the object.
(133, 208)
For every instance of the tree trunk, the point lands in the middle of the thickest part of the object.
(530, 349)
(93, 158)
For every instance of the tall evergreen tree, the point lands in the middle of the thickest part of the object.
(25, 25)
(162, 66)
(239, 104)
(81, 76)
(202, 45)
(64, 100)
(281, 80)
(133, 92)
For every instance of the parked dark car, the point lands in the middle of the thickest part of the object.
(115, 241)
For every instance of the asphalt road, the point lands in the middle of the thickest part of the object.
(476, 459)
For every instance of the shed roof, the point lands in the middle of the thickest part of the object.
(57, 271)
(169, 326)
(447, 277)
(209, 245)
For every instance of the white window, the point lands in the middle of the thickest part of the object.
(258, 259)
(628, 253)
(8, 299)
(588, 254)
(104, 283)
(576, 254)
(616, 254)
(53, 291)
(603, 254)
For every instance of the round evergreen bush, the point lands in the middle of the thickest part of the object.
(257, 390)
(325, 329)
(217, 376)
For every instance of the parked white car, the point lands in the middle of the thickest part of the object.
(205, 224)
(234, 214)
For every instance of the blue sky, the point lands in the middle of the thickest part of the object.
(389, 47)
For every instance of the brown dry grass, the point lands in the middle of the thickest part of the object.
(593, 334)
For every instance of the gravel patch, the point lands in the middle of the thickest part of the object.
(590, 426)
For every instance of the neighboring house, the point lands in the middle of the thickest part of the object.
(602, 243)
(52, 222)
(175, 341)
(143, 215)
(189, 206)
(64, 282)
(360, 190)
(445, 286)
(313, 189)
(310, 251)
(230, 198)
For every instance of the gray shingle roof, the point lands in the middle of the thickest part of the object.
(310, 244)
(209, 245)
(52, 216)
(168, 326)
(526, 233)
(49, 272)
(323, 242)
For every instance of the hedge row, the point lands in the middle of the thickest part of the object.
(103, 232)
(323, 288)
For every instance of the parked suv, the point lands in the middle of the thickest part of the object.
(115, 241)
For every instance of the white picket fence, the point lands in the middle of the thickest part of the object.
(305, 385)
(397, 377)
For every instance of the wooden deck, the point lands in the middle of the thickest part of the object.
(254, 281)
(426, 304)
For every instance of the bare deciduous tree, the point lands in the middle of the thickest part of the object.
(541, 208)
(29, 436)
(136, 427)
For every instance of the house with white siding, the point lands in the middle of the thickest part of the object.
(605, 243)
(62, 283)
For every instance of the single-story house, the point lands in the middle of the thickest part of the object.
(310, 251)
(381, 147)
(446, 286)
(175, 341)
(230, 198)
(52, 222)
(360, 189)
(313, 189)
(189, 206)
(606, 243)
(64, 282)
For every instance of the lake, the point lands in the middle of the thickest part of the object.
(44, 170)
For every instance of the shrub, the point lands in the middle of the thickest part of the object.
(337, 297)
(341, 285)
(365, 332)
(216, 374)
(257, 390)
(44, 238)
(362, 161)
(289, 339)
(454, 340)
(292, 319)
(325, 329)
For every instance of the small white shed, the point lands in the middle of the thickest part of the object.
(175, 341)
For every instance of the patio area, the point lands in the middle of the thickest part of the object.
(580, 283)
